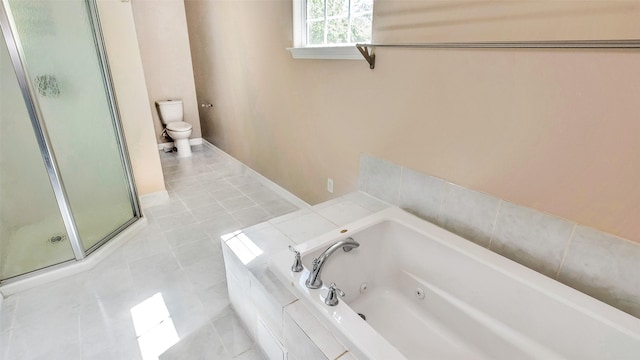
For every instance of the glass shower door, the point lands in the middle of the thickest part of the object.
(60, 50)
(32, 233)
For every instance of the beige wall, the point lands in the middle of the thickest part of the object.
(161, 27)
(126, 69)
(557, 131)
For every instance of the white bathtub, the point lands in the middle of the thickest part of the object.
(476, 305)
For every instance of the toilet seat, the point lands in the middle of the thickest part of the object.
(179, 126)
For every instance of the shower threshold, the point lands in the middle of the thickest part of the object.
(55, 272)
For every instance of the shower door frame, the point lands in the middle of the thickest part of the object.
(16, 53)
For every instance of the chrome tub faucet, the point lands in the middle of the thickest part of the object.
(314, 281)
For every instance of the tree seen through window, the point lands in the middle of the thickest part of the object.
(335, 22)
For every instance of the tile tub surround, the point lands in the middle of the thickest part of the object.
(261, 300)
(88, 315)
(598, 264)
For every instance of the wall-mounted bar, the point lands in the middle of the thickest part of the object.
(368, 50)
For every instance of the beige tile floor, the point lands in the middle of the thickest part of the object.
(169, 279)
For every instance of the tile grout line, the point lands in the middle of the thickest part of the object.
(441, 202)
(399, 188)
(215, 329)
(495, 223)
(225, 179)
(440, 216)
(566, 250)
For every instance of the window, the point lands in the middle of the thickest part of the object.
(324, 29)
(332, 22)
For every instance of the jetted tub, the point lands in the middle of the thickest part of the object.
(429, 294)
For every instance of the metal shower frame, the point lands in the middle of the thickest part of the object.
(16, 53)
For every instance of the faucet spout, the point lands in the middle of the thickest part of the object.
(314, 281)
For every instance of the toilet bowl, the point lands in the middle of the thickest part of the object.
(180, 132)
(171, 116)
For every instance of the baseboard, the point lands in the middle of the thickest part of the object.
(196, 141)
(154, 199)
(259, 177)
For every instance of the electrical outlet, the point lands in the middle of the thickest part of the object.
(330, 185)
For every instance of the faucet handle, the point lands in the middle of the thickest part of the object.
(332, 298)
(297, 263)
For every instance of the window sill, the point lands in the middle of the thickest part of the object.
(349, 52)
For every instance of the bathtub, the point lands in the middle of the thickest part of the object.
(429, 294)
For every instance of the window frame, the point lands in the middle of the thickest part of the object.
(301, 50)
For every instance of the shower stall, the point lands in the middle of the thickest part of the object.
(65, 180)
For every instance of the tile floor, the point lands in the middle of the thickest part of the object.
(178, 256)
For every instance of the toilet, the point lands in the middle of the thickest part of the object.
(171, 115)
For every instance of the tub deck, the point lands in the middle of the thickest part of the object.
(476, 305)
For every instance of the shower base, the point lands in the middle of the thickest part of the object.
(34, 247)
(11, 257)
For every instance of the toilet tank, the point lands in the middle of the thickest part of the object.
(170, 110)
